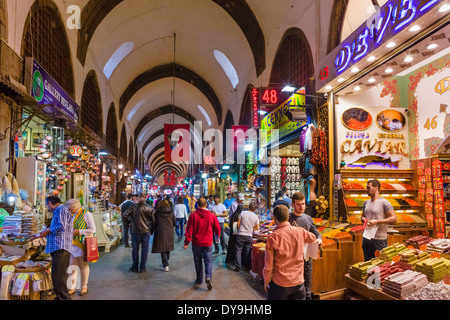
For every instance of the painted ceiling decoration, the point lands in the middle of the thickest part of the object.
(167, 71)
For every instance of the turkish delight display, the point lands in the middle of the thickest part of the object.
(434, 268)
(403, 284)
(418, 241)
(432, 291)
(440, 246)
(389, 252)
(359, 271)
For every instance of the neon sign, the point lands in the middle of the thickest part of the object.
(390, 19)
(255, 104)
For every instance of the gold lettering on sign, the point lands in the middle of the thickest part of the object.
(443, 86)
(349, 142)
(380, 146)
(368, 146)
(358, 146)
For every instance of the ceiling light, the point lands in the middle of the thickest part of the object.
(408, 59)
(414, 28)
(371, 58)
(371, 80)
(432, 46)
(328, 87)
(262, 112)
(388, 70)
(444, 8)
(288, 89)
(248, 147)
(341, 80)
(357, 88)
(391, 44)
(355, 70)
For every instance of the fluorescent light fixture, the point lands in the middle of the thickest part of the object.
(388, 70)
(288, 89)
(341, 80)
(227, 67)
(103, 153)
(432, 46)
(117, 58)
(205, 114)
(262, 112)
(328, 87)
(391, 44)
(225, 167)
(371, 80)
(415, 28)
(408, 59)
(371, 58)
(444, 8)
(355, 70)
(248, 147)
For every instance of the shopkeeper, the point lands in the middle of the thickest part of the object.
(379, 213)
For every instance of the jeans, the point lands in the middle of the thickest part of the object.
(165, 258)
(307, 273)
(179, 229)
(244, 251)
(276, 292)
(60, 264)
(138, 240)
(370, 246)
(205, 254)
(126, 231)
(222, 238)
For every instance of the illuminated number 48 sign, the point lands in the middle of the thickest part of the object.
(270, 96)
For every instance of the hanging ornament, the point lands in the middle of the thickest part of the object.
(75, 151)
(48, 138)
(69, 141)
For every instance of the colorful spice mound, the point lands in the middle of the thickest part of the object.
(350, 202)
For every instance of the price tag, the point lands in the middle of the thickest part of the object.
(435, 255)
(423, 247)
(396, 258)
(377, 253)
(410, 247)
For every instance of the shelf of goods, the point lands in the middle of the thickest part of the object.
(25, 269)
(397, 187)
(249, 197)
(441, 181)
(108, 226)
(418, 269)
(341, 247)
(286, 172)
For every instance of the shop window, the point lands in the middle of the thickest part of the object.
(293, 64)
(111, 129)
(45, 40)
(91, 105)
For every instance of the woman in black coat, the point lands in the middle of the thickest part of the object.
(163, 232)
(231, 252)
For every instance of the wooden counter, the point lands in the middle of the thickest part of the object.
(362, 289)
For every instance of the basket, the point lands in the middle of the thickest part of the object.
(14, 243)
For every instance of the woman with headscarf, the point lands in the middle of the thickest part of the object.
(83, 226)
(163, 235)
(233, 222)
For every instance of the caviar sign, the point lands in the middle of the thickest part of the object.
(391, 19)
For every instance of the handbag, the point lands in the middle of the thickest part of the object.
(91, 249)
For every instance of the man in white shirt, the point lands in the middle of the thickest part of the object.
(248, 222)
(220, 211)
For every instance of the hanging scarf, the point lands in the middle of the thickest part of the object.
(78, 224)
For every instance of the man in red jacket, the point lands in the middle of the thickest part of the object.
(201, 226)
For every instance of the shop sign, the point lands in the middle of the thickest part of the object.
(255, 107)
(372, 138)
(277, 119)
(47, 91)
(391, 19)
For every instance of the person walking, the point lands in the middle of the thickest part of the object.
(280, 200)
(181, 217)
(221, 213)
(379, 213)
(131, 200)
(141, 217)
(59, 244)
(201, 226)
(228, 201)
(299, 218)
(248, 221)
(83, 226)
(230, 259)
(283, 260)
(162, 230)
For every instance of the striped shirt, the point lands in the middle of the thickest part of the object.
(61, 228)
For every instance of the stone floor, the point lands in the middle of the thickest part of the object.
(110, 279)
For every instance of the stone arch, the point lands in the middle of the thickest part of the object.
(123, 144)
(293, 63)
(111, 130)
(45, 39)
(91, 104)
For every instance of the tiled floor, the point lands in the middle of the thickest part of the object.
(110, 279)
